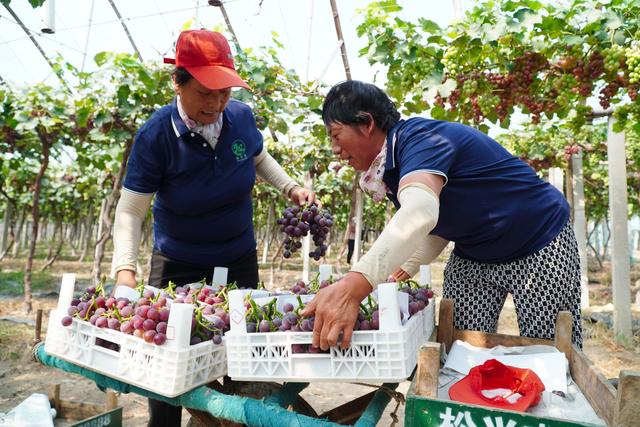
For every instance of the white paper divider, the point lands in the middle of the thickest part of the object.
(425, 275)
(123, 291)
(236, 312)
(220, 275)
(325, 272)
(179, 326)
(66, 292)
(388, 307)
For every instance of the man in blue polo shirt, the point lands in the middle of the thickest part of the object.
(200, 157)
(450, 182)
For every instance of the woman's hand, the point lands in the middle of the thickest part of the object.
(126, 278)
(302, 196)
(398, 276)
(336, 310)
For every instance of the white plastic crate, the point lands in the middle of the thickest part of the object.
(169, 369)
(386, 355)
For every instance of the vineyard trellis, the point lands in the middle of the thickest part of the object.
(560, 64)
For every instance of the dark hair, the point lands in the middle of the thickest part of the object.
(347, 102)
(182, 76)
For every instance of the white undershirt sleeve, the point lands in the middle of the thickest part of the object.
(403, 234)
(127, 229)
(269, 170)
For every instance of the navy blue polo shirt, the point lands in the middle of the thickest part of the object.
(493, 205)
(202, 212)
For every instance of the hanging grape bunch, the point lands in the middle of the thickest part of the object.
(296, 222)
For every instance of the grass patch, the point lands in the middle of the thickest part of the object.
(12, 282)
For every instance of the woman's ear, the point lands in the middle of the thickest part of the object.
(176, 86)
(366, 124)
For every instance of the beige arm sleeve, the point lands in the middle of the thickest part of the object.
(268, 169)
(427, 251)
(127, 230)
(401, 237)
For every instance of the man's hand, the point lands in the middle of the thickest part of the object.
(336, 310)
(302, 196)
(126, 278)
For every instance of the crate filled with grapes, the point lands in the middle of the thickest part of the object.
(270, 341)
(162, 341)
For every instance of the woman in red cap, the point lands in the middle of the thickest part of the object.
(200, 157)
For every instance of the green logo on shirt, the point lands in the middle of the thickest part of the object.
(239, 150)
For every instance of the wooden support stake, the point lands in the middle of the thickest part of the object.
(445, 323)
(428, 370)
(38, 326)
(54, 397)
(627, 407)
(112, 400)
(564, 331)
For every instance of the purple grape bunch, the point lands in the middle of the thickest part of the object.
(298, 221)
(419, 296)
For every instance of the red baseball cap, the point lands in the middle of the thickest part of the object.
(207, 57)
(491, 375)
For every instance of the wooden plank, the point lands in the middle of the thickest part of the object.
(595, 387)
(349, 412)
(489, 340)
(627, 408)
(445, 323)
(564, 332)
(428, 370)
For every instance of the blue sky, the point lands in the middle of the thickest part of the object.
(305, 27)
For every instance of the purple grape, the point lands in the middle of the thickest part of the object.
(153, 314)
(126, 311)
(137, 321)
(66, 321)
(304, 325)
(159, 338)
(127, 327)
(113, 323)
(161, 327)
(149, 335)
(217, 339)
(298, 348)
(264, 326)
(149, 325)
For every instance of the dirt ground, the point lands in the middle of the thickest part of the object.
(20, 376)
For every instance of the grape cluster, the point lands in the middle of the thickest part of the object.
(632, 54)
(302, 288)
(297, 222)
(147, 317)
(539, 86)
